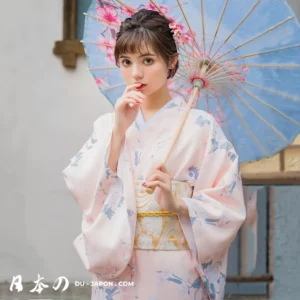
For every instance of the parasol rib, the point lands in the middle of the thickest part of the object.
(126, 6)
(279, 66)
(222, 114)
(247, 127)
(256, 37)
(113, 87)
(272, 91)
(203, 26)
(266, 104)
(207, 106)
(237, 27)
(260, 53)
(102, 20)
(103, 68)
(217, 30)
(190, 28)
(258, 115)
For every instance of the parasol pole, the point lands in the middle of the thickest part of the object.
(198, 84)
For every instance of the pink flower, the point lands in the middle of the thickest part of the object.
(106, 44)
(163, 8)
(190, 36)
(100, 82)
(245, 69)
(193, 54)
(110, 57)
(109, 15)
(175, 28)
(187, 37)
(127, 11)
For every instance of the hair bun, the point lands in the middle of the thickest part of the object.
(130, 24)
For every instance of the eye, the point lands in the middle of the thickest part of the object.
(149, 59)
(123, 62)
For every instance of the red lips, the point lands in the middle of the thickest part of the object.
(141, 86)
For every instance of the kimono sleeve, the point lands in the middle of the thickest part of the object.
(216, 209)
(88, 176)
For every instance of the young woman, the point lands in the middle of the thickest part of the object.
(171, 244)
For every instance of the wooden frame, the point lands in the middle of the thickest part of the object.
(282, 168)
(69, 48)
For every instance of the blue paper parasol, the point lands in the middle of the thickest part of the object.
(244, 55)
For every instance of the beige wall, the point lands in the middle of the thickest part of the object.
(47, 113)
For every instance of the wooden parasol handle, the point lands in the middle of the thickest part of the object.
(185, 115)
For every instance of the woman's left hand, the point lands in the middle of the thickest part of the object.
(163, 194)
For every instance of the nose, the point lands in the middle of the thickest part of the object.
(137, 72)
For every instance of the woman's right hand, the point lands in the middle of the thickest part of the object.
(127, 107)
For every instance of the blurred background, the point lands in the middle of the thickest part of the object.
(49, 103)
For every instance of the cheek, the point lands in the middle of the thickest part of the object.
(125, 74)
(158, 72)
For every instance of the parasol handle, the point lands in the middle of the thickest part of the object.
(197, 86)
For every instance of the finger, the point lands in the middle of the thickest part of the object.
(159, 176)
(132, 87)
(161, 167)
(131, 102)
(135, 96)
(157, 183)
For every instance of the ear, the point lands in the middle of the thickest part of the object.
(174, 60)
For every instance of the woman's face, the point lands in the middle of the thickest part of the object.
(147, 68)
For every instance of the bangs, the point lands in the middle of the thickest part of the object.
(134, 42)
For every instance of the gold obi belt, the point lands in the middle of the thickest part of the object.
(157, 229)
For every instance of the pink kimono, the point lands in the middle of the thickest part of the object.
(127, 237)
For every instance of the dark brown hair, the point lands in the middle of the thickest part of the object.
(147, 27)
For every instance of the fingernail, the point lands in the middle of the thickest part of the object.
(144, 184)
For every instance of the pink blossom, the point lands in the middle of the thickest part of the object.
(245, 69)
(193, 54)
(106, 44)
(175, 28)
(110, 57)
(163, 8)
(109, 15)
(100, 82)
(128, 11)
(187, 37)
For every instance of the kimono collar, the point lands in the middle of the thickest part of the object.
(140, 122)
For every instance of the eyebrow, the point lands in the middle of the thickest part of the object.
(146, 54)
